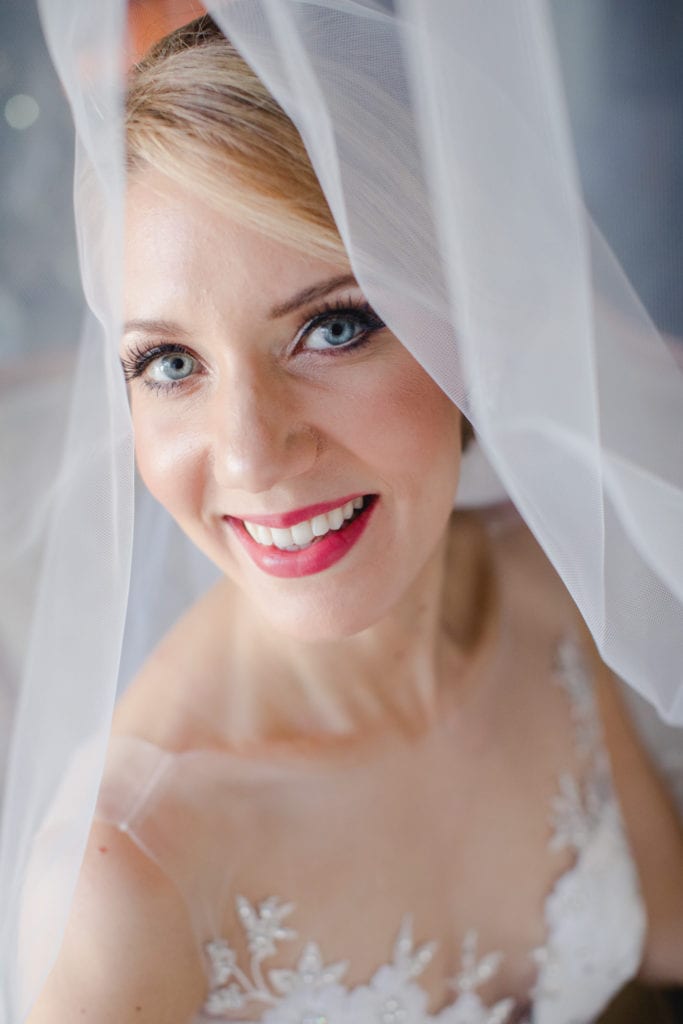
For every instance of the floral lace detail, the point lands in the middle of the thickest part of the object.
(571, 673)
(576, 975)
(580, 803)
(576, 813)
(312, 992)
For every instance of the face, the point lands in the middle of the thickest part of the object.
(288, 432)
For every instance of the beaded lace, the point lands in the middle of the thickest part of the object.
(594, 926)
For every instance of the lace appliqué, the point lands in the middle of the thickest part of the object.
(576, 975)
(312, 993)
(571, 673)
(579, 805)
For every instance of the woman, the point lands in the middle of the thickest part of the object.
(383, 736)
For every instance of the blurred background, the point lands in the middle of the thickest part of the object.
(623, 70)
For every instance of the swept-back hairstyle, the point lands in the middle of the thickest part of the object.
(197, 113)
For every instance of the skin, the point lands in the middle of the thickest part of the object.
(267, 427)
(391, 643)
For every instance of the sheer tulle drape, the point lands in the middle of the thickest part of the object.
(439, 134)
(482, 258)
(83, 531)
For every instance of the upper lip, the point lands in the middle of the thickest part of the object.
(297, 515)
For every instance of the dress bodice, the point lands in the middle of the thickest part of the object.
(269, 966)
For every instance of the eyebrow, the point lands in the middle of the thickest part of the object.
(165, 327)
(316, 291)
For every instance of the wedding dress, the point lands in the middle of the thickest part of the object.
(194, 813)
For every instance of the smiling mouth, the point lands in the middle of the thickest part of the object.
(308, 532)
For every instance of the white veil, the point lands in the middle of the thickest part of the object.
(439, 133)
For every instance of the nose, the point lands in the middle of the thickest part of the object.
(260, 436)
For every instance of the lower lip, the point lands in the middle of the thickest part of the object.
(321, 554)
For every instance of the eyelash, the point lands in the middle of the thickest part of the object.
(138, 358)
(360, 311)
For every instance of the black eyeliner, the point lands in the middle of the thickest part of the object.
(137, 359)
(361, 311)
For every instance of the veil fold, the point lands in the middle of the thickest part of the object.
(440, 135)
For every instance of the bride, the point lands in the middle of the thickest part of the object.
(378, 772)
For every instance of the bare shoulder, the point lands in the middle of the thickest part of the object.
(654, 831)
(128, 953)
(652, 823)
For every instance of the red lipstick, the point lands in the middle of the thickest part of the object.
(299, 515)
(320, 554)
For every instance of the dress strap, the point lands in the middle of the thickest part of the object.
(133, 770)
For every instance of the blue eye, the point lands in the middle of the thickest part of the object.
(345, 328)
(335, 332)
(172, 367)
(160, 367)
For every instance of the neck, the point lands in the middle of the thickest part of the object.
(390, 677)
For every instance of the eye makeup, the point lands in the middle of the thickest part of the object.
(335, 318)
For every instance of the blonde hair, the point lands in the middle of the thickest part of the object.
(197, 113)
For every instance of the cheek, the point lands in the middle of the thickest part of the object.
(425, 419)
(407, 426)
(168, 458)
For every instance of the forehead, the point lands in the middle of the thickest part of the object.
(180, 252)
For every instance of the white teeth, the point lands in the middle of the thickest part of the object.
(320, 525)
(254, 531)
(282, 538)
(302, 534)
(263, 535)
(335, 517)
(260, 533)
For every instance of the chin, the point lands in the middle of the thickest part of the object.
(321, 621)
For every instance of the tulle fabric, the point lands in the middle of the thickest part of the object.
(439, 134)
